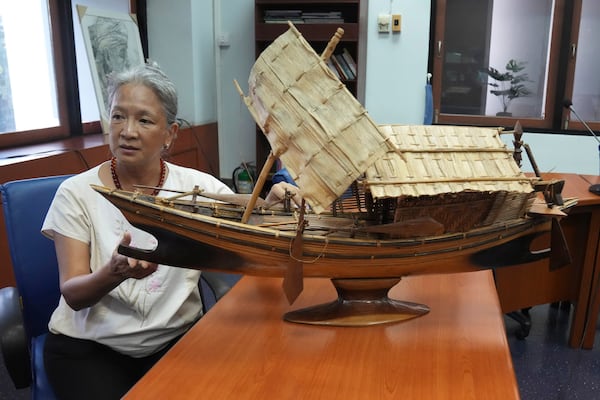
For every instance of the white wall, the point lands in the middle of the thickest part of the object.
(560, 153)
(234, 21)
(181, 40)
(181, 37)
(397, 63)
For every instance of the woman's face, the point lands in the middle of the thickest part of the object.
(138, 125)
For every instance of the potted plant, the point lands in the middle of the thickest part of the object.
(509, 85)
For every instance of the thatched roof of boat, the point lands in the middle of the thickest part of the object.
(438, 159)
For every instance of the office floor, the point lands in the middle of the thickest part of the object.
(546, 368)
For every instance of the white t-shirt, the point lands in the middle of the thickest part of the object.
(140, 316)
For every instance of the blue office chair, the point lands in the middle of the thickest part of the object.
(25, 309)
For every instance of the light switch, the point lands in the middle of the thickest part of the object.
(396, 23)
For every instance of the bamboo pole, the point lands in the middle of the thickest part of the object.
(260, 183)
(332, 44)
(446, 180)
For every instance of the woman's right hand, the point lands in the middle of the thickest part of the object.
(279, 191)
(83, 288)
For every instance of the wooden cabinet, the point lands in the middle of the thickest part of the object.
(317, 21)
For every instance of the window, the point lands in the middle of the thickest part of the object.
(583, 87)
(496, 62)
(27, 67)
(44, 70)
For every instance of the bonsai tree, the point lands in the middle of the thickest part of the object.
(510, 84)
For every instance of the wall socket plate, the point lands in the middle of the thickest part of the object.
(383, 23)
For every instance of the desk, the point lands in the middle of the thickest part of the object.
(242, 349)
(533, 284)
(593, 256)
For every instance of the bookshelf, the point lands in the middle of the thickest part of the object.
(317, 21)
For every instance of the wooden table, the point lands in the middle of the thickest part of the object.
(534, 284)
(242, 349)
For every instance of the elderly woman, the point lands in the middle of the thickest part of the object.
(117, 316)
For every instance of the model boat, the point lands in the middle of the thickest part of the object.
(382, 201)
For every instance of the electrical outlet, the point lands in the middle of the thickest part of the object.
(396, 23)
(383, 23)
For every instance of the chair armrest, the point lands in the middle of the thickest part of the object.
(13, 338)
(218, 286)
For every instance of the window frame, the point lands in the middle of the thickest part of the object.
(564, 33)
(67, 87)
(568, 122)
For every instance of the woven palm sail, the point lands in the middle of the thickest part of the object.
(318, 129)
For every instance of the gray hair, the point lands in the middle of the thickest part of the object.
(151, 76)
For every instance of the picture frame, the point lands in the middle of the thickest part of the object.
(112, 42)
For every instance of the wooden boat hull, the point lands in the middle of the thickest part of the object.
(203, 242)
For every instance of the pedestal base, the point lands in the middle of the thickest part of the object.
(360, 302)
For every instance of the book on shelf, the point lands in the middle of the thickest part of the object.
(284, 21)
(344, 65)
(299, 17)
(323, 15)
(349, 60)
(283, 13)
(331, 17)
(323, 21)
(282, 16)
(333, 68)
(338, 67)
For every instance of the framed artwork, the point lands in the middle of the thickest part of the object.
(112, 42)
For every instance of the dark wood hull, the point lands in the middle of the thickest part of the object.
(202, 242)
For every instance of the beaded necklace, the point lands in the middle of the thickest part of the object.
(115, 177)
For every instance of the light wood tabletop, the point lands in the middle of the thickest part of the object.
(243, 349)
